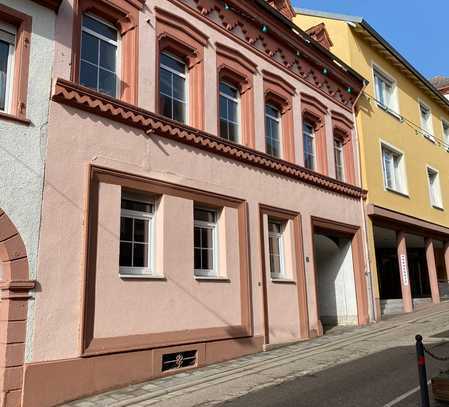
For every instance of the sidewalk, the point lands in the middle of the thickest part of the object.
(226, 381)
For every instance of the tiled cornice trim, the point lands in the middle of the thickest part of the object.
(72, 94)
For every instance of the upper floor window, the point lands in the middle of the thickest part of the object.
(136, 236)
(7, 51)
(393, 167)
(205, 242)
(446, 133)
(426, 120)
(173, 88)
(99, 56)
(339, 159)
(385, 90)
(272, 131)
(309, 146)
(229, 112)
(276, 248)
(434, 188)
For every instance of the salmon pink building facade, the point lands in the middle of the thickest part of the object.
(202, 194)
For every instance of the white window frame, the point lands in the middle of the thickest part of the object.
(141, 272)
(393, 103)
(435, 195)
(400, 176)
(445, 129)
(341, 151)
(238, 101)
(313, 137)
(109, 41)
(185, 76)
(9, 29)
(282, 275)
(213, 273)
(279, 121)
(427, 128)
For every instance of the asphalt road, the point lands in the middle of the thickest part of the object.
(376, 380)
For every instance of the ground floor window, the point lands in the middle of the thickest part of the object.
(136, 236)
(276, 248)
(205, 242)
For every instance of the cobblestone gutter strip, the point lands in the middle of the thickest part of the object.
(152, 392)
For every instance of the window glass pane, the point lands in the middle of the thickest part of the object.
(140, 255)
(204, 215)
(179, 88)
(137, 206)
(179, 111)
(88, 75)
(141, 230)
(89, 48)
(126, 229)
(228, 90)
(272, 111)
(125, 254)
(165, 106)
(223, 107)
(207, 259)
(107, 83)
(165, 82)
(100, 28)
(4, 54)
(207, 238)
(197, 259)
(224, 129)
(108, 55)
(233, 134)
(197, 237)
(173, 64)
(233, 111)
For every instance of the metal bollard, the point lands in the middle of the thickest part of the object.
(425, 402)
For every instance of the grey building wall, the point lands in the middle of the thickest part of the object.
(23, 148)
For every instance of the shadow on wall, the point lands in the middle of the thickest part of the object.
(335, 280)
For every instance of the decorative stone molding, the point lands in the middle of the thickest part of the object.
(179, 37)
(72, 94)
(343, 130)
(23, 23)
(262, 33)
(283, 6)
(14, 295)
(279, 93)
(238, 70)
(319, 34)
(314, 112)
(124, 15)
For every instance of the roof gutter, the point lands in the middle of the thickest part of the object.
(364, 24)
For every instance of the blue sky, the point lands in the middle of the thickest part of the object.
(416, 28)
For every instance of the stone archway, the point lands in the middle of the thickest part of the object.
(14, 294)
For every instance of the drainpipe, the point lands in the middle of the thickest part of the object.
(368, 274)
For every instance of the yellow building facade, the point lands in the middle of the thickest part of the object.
(403, 130)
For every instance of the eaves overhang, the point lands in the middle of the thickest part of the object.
(369, 34)
(317, 46)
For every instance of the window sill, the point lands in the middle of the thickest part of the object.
(440, 208)
(403, 194)
(390, 112)
(213, 278)
(280, 280)
(14, 118)
(142, 277)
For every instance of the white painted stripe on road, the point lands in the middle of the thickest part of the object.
(403, 396)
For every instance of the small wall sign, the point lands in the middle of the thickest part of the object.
(404, 269)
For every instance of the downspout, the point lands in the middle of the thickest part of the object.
(368, 273)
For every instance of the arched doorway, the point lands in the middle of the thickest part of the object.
(14, 294)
